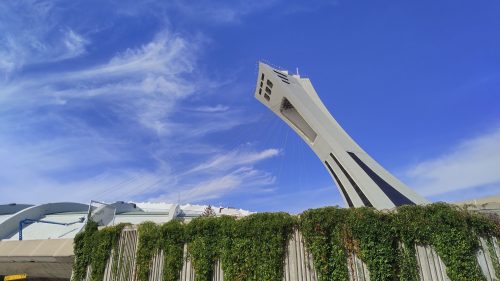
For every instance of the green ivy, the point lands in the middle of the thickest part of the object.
(254, 247)
(385, 240)
(83, 246)
(323, 231)
(204, 235)
(93, 247)
(374, 239)
(331, 233)
(148, 246)
(251, 248)
(494, 257)
(172, 243)
(170, 239)
(408, 265)
(453, 232)
(106, 240)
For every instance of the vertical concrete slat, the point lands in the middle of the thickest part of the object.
(298, 257)
(483, 258)
(496, 247)
(431, 262)
(496, 252)
(132, 242)
(312, 268)
(307, 268)
(293, 259)
(442, 269)
(185, 265)
(424, 265)
(366, 273)
(360, 269)
(286, 266)
(302, 256)
(108, 271)
(437, 265)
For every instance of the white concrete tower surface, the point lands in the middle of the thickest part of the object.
(360, 179)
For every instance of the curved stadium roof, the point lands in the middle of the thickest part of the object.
(66, 219)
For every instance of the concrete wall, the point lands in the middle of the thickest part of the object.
(298, 265)
(47, 258)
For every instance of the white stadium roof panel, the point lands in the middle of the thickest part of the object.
(46, 221)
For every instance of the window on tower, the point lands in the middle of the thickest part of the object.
(291, 114)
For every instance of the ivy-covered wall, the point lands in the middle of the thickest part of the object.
(385, 240)
(93, 247)
(254, 247)
(251, 248)
(169, 238)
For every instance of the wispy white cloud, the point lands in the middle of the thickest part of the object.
(473, 163)
(75, 43)
(110, 130)
(234, 158)
(231, 12)
(217, 186)
(168, 54)
(37, 169)
(72, 45)
(220, 12)
(223, 173)
(212, 109)
(31, 34)
(149, 78)
(108, 186)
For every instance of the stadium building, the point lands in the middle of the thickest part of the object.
(38, 239)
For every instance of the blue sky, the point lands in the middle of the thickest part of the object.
(153, 100)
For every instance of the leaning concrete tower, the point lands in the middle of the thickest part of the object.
(360, 179)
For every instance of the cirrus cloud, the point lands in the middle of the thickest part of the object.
(471, 164)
